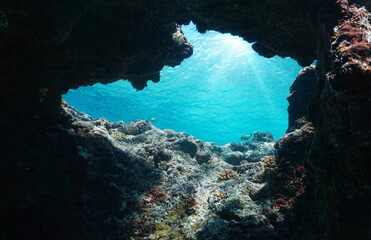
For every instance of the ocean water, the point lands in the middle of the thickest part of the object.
(225, 90)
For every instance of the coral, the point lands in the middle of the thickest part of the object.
(186, 197)
(227, 174)
(118, 135)
(270, 168)
(351, 47)
(138, 127)
(220, 194)
(269, 162)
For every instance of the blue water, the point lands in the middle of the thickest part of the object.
(225, 90)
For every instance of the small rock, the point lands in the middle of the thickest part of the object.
(234, 158)
(238, 147)
(203, 157)
(188, 147)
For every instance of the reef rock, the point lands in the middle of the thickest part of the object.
(161, 184)
(338, 182)
(261, 145)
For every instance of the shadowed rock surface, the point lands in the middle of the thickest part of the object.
(338, 180)
(301, 93)
(56, 183)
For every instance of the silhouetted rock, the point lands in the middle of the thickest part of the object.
(301, 92)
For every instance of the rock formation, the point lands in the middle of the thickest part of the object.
(51, 179)
(162, 184)
(301, 93)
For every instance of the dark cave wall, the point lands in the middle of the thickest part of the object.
(276, 29)
(68, 44)
(337, 163)
(49, 47)
(72, 41)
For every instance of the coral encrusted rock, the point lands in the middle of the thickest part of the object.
(162, 184)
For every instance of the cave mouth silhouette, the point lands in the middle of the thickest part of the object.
(49, 48)
(224, 91)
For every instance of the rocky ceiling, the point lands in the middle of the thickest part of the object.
(75, 43)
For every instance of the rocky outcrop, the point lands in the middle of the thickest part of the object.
(338, 183)
(135, 181)
(289, 186)
(302, 92)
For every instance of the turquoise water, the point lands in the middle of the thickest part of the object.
(225, 90)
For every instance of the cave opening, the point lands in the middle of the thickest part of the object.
(224, 91)
(67, 176)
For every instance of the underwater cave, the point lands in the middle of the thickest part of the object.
(154, 120)
(224, 91)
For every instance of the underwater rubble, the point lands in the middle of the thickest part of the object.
(183, 188)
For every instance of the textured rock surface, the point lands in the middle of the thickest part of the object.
(337, 165)
(301, 93)
(49, 47)
(289, 186)
(156, 186)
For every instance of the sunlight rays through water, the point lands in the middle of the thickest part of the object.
(223, 91)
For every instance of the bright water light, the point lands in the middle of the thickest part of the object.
(225, 90)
